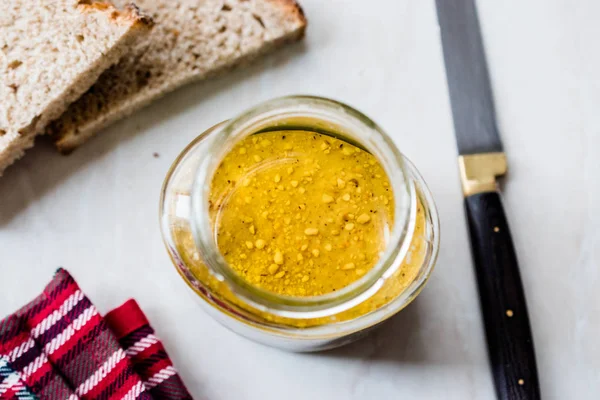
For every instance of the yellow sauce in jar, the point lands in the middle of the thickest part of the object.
(298, 213)
(301, 214)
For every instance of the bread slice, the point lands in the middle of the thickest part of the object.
(192, 40)
(51, 52)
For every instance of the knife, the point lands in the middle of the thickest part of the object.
(481, 162)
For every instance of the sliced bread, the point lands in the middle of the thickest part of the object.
(51, 52)
(191, 40)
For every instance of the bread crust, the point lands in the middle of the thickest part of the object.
(202, 50)
(130, 14)
(36, 70)
(293, 9)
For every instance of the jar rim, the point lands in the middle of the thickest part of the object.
(335, 114)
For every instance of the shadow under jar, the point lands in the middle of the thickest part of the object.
(278, 305)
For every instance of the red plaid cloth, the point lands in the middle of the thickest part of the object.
(150, 360)
(25, 371)
(59, 347)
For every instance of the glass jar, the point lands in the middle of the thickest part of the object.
(298, 323)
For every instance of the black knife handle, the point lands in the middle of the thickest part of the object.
(509, 339)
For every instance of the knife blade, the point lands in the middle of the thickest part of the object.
(468, 79)
(481, 161)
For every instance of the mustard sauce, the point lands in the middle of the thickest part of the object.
(299, 213)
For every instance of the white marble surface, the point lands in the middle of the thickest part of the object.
(95, 212)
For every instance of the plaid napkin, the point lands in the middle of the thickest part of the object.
(59, 347)
(150, 360)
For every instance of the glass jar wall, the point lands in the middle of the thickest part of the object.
(298, 323)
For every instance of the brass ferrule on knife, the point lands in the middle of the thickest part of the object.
(478, 172)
